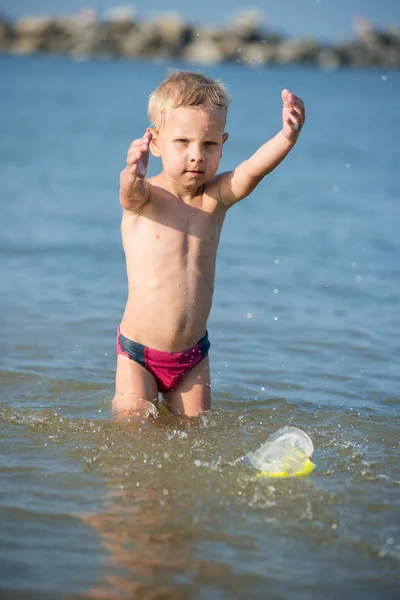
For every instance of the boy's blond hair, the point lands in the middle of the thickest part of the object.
(184, 88)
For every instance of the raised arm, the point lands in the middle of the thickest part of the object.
(239, 183)
(134, 190)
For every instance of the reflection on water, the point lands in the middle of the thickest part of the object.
(145, 547)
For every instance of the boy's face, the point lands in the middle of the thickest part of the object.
(190, 144)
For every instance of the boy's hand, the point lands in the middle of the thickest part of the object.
(293, 115)
(138, 156)
(134, 190)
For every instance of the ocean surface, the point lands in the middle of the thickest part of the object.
(305, 331)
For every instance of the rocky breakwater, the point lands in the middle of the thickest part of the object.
(244, 39)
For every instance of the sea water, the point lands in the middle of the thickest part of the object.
(305, 331)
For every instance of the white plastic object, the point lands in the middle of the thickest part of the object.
(293, 436)
(286, 453)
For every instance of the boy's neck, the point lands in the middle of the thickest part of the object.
(176, 189)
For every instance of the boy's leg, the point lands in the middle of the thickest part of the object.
(136, 389)
(192, 396)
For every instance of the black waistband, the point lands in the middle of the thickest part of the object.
(136, 350)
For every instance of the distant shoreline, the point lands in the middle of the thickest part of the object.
(244, 40)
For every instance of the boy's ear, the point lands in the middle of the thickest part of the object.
(224, 138)
(154, 144)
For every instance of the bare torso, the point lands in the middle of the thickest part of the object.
(171, 249)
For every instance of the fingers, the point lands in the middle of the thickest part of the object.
(141, 144)
(293, 122)
(138, 155)
(285, 94)
(294, 113)
(295, 116)
(290, 99)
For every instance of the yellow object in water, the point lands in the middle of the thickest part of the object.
(307, 468)
(286, 453)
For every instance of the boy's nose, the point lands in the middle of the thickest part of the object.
(196, 155)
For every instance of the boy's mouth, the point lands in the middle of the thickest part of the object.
(194, 172)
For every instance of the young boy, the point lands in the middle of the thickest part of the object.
(171, 226)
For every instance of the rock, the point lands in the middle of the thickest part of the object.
(258, 53)
(168, 35)
(41, 34)
(394, 33)
(24, 45)
(31, 26)
(328, 59)
(170, 28)
(140, 42)
(231, 47)
(362, 27)
(120, 14)
(204, 52)
(247, 25)
(96, 41)
(6, 35)
(295, 51)
(212, 44)
(119, 24)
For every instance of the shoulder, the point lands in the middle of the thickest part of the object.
(235, 185)
(213, 191)
(156, 187)
(149, 199)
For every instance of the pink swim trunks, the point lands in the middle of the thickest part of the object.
(168, 368)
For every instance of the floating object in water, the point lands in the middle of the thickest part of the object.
(286, 453)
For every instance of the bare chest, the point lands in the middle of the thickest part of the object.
(184, 232)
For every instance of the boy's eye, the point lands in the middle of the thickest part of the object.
(181, 141)
(210, 144)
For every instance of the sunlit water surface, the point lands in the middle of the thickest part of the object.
(305, 330)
